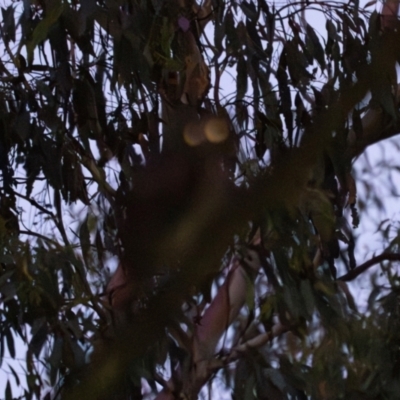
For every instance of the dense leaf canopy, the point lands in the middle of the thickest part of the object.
(178, 201)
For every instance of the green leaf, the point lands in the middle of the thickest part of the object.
(297, 64)
(315, 204)
(85, 106)
(42, 29)
(308, 296)
(51, 162)
(276, 378)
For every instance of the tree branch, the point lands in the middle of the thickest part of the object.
(256, 342)
(97, 175)
(389, 17)
(363, 267)
(38, 235)
(375, 126)
(34, 203)
(374, 129)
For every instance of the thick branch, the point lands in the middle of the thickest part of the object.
(390, 10)
(375, 127)
(220, 314)
(363, 267)
(257, 341)
(222, 311)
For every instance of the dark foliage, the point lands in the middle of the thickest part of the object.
(176, 137)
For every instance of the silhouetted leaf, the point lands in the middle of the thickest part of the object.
(10, 342)
(84, 239)
(241, 79)
(39, 336)
(8, 392)
(314, 46)
(8, 24)
(41, 30)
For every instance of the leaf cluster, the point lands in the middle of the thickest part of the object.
(120, 134)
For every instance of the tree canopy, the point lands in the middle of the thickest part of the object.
(178, 206)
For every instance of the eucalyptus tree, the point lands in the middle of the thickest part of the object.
(178, 202)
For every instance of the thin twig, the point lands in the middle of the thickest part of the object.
(34, 203)
(38, 235)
